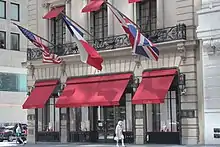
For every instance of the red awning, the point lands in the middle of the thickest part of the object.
(134, 1)
(154, 86)
(94, 91)
(40, 94)
(93, 5)
(53, 13)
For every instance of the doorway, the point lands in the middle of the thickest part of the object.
(106, 119)
(162, 121)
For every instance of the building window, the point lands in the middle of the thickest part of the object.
(58, 30)
(2, 40)
(13, 82)
(2, 9)
(147, 15)
(100, 23)
(15, 12)
(15, 42)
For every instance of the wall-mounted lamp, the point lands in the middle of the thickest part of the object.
(135, 82)
(182, 83)
(62, 86)
(30, 90)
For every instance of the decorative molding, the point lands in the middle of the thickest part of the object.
(46, 5)
(31, 69)
(68, 1)
(137, 60)
(181, 48)
(63, 68)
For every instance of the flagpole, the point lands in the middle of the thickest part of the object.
(35, 34)
(122, 14)
(78, 25)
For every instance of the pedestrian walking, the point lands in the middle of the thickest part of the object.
(119, 134)
(18, 135)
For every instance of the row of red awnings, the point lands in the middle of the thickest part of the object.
(105, 90)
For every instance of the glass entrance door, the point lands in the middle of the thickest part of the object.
(108, 118)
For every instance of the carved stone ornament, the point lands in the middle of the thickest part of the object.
(31, 69)
(63, 67)
(68, 1)
(137, 60)
(46, 5)
(182, 50)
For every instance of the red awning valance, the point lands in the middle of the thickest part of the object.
(53, 13)
(134, 1)
(40, 94)
(93, 5)
(154, 86)
(94, 91)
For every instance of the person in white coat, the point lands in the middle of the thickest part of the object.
(119, 133)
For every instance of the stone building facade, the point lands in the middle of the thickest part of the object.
(180, 115)
(208, 32)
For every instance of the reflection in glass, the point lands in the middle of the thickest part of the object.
(49, 117)
(72, 120)
(14, 11)
(163, 117)
(2, 9)
(13, 82)
(15, 41)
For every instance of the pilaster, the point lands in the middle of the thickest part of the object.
(63, 125)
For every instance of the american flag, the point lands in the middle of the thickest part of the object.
(37, 41)
(140, 44)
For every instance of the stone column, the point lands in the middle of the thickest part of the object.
(160, 14)
(125, 8)
(110, 20)
(139, 112)
(31, 115)
(68, 13)
(31, 126)
(63, 125)
(139, 124)
(129, 114)
(85, 124)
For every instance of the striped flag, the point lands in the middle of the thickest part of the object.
(140, 44)
(87, 53)
(37, 41)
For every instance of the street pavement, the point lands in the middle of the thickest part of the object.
(6, 144)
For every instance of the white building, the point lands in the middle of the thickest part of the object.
(209, 32)
(171, 24)
(12, 52)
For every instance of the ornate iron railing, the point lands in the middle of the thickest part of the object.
(160, 35)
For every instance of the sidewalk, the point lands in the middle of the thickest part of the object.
(113, 145)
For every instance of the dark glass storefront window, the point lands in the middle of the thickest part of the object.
(49, 117)
(164, 115)
(13, 82)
